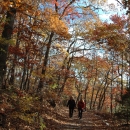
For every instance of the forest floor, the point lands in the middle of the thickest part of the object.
(59, 120)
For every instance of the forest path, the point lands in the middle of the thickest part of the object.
(89, 121)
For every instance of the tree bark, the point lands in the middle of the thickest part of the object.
(41, 82)
(6, 34)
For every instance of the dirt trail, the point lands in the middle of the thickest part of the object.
(89, 121)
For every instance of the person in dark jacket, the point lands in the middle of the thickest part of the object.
(71, 104)
(81, 106)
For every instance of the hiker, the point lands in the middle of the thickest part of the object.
(71, 104)
(81, 106)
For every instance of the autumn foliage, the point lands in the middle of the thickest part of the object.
(51, 49)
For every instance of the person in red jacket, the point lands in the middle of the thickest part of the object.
(81, 106)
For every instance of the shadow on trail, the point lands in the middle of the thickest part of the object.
(89, 121)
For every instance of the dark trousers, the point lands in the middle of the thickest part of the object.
(80, 112)
(71, 112)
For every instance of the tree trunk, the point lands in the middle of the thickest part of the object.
(101, 96)
(6, 34)
(94, 102)
(122, 87)
(91, 102)
(12, 78)
(85, 96)
(41, 82)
